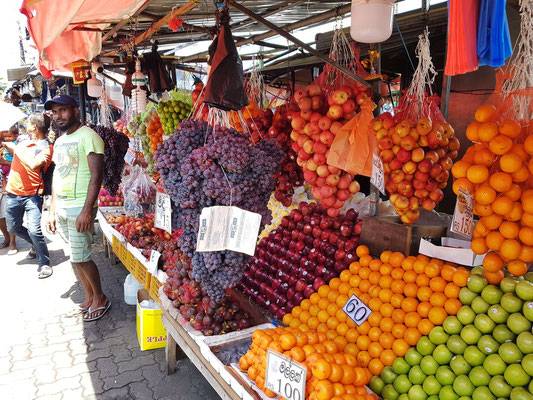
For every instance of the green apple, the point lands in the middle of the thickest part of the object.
(456, 344)
(484, 323)
(438, 336)
(388, 375)
(401, 384)
(413, 357)
(516, 376)
(499, 387)
(476, 283)
(416, 392)
(524, 290)
(466, 296)
(498, 314)
(459, 366)
(510, 353)
(517, 323)
(478, 270)
(447, 393)
(491, 294)
(479, 306)
(400, 366)
(527, 310)
(502, 334)
(466, 315)
(462, 386)
(470, 334)
(376, 384)
(474, 356)
(487, 344)
(425, 346)
(431, 385)
(479, 377)
(416, 375)
(429, 365)
(482, 393)
(442, 354)
(389, 392)
(494, 365)
(527, 364)
(525, 342)
(452, 326)
(445, 375)
(507, 285)
(519, 393)
(511, 303)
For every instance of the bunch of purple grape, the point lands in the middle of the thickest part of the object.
(116, 146)
(203, 167)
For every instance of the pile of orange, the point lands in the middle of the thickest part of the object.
(498, 170)
(155, 132)
(331, 373)
(408, 296)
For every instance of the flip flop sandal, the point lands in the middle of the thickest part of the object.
(12, 252)
(45, 272)
(104, 308)
(76, 311)
(31, 254)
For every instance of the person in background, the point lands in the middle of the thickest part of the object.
(5, 167)
(79, 168)
(25, 188)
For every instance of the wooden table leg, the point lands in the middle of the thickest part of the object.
(170, 353)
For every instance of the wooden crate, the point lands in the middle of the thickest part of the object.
(385, 233)
(154, 288)
(142, 275)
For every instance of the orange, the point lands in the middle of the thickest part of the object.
(492, 221)
(526, 236)
(526, 254)
(297, 354)
(400, 347)
(510, 128)
(483, 210)
(485, 113)
(460, 168)
(386, 324)
(479, 245)
(314, 298)
(463, 184)
(494, 240)
(375, 349)
(336, 373)
(517, 268)
(362, 250)
(419, 266)
(323, 304)
(354, 267)
(516, 212)
(509, 230)
(332, 309)
(521, 175)
(341, 315)
(515, 192)
(385, 269)
(500, 144)
(350, 334)
(385, 256)
(396, 300)
(374, 304)
(437, 315)
(287, 341)
(385, 295)
(501, 181)
(409, 304)
(363, 342)
(330, 345)
(385, 281)
(530, 166)
(386, 340)
(423, 308)
(332, 323)
(387, 357)
(312, 323)
(345, 275)
(386, 309)
(374, 277)
(520, 150)
(527, 220)
(412, 319)
(395, 259)
(374, 318)
(510, 249)
(354, 281)
(432, 270)
(492, 262)
(411, 336)
(332, 295)
(398, 330)
(304, 316)
(398, 316)
(397, 286)
(480, 230)
(502, 205)
(494, 277)
(334, 283)
(477, 174)
(322, 316)
(363, 358)
(324, 390)
(365, 260)
(438, 299)
(472, 131)
(344, 288)
(528, 145)
(323, 291)
(375, 265)
(341, 300)
(483, 156)
(447, 272)
(452, 291)
(425, 326)
(460, 277)
(422, 280)
(424, 293)
(409, 276)
(375, 366)
(305, 304)
(510, 162)
(397, 273)
(410, 290)
(452, 306)
(487, 131)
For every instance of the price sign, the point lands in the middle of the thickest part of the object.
(136, 144)
(163, 216)
(285, 377)
(378, 175)
(463, 216)
(153, 261)
(356, 310)
(130, 157)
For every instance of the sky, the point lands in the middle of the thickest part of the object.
(9, 34)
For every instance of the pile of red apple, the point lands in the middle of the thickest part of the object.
(314, 129)
(106, 200)
(417, 158)
(304, 252)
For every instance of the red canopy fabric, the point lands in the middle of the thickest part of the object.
(51, 23)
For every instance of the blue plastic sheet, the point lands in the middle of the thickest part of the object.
(493, 38)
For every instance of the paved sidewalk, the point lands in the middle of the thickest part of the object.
(44, 355)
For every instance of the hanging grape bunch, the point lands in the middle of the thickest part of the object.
(226, 171)
(116, 146)
(172, 112)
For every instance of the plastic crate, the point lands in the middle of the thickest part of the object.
(131, 262)
(154, 288)
(115, 246)
(142, 275)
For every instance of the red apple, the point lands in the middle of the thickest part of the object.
(326, 137)
(403, 155)
(349, 106)
(335, 112)
(322, 170)
(332, 179)
(354, 187)
(339, 97)
(314, 89)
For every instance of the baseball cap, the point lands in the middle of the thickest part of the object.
(61, 99)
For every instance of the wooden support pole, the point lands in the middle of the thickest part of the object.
(298, 42)
(123, 22)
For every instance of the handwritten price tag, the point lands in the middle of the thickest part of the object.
(163, 212)
(136, 144)
(285, 377)
(356, 310)
(153, 261)
(463, 216)
(378, 175)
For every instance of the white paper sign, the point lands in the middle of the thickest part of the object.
(152, 262)
(356, 310)
(463, 216)
(163, 212)
(378, 175)
(285, 376)
(136, 144)
(228, 228)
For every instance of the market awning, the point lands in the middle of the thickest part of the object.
(56, 27)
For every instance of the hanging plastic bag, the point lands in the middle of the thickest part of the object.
(493, 38)
(225, 86)
(353, 147)
(139, 193)
(158, 75)
(462, 37)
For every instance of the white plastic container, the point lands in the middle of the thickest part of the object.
(94, 87)
(131, 287)
(115, 92)
(371, 20)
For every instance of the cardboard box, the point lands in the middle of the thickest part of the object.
(150, 330)
(453, 250)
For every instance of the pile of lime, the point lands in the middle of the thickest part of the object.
(172, 112)
(485, 352)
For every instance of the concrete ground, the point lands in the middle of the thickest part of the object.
(44, 355)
